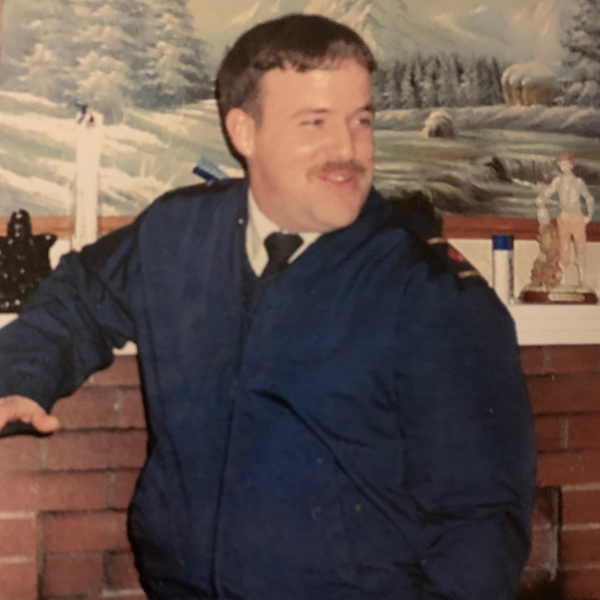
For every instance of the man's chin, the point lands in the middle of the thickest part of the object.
(342, 215)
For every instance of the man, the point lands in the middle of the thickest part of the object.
(571, 222)
(354, 426)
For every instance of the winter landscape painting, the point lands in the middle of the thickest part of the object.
(474, 100)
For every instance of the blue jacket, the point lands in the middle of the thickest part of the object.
(365, 435)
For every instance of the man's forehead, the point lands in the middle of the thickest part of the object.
(327, 65)
(309, 79)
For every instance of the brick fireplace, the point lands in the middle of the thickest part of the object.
(63, 498)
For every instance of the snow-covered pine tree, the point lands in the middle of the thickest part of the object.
(108, 54)
(399, 74)
(448, 82)
(470, 92)
(389, 97)
(109, 49)
(461, 99)
(175, 72)
(416, 81)
(41, 54)
(430, 84)
(379, 83)
(407, 91)
(486, 83)
(16, 42)
(496, 73)
(581, 40)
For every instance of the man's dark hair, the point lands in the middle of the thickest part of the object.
(303, 42)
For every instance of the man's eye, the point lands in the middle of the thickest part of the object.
(312, 122)
(366, 121)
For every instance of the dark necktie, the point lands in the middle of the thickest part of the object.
(280, 247)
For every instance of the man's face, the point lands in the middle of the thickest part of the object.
(310, 159)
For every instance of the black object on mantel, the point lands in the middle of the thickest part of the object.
(24, 261)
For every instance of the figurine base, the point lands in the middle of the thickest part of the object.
(558, 295)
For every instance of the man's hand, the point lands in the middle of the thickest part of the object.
(20, 408)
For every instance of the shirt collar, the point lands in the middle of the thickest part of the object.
(259, 227)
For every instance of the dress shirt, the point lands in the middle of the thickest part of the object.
(259, 227)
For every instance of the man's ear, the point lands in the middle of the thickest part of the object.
(240, 127)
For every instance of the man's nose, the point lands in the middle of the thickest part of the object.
(343, 143)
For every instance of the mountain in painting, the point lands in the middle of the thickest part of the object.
(533, 32)
(484, 27)
(537, 29)
(393, 30)
(387, 26)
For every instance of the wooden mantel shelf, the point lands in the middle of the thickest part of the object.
(484, 227)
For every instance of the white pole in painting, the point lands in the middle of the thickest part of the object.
(89, 142)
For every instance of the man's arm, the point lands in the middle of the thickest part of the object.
(68, 329)
(548, 192)
(470, 457)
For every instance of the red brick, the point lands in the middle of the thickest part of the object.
(575, 359)
(124, 371)
(580, 546)
(581, 506)
(21, 453)
(566, 468)
(85, 532)
(532, 360)
(124, 487)
(97, 450)
(18, 537)
(69, 574)
(544, 547)
(53, 491)
(132, 409)
(584, 431)
(120, 570)
(564, 394)
(18, 581)
(549, 433)
(581, 584)
(88, 408)
(117, 594)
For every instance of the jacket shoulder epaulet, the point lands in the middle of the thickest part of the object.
(214, 186)
(415, 214)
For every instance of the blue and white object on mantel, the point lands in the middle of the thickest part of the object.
(502, 266)
(207, 169)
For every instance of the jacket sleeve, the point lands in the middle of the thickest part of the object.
(71, 324)
(470, 448)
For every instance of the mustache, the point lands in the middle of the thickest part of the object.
(337, 165)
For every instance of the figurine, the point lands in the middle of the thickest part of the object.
(24, 261)
(562, 240)
(571, 221)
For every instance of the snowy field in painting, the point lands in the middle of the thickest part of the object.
(498, 162)
(502, 157)
(142, 157)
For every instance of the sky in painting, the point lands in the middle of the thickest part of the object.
(433, 7)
